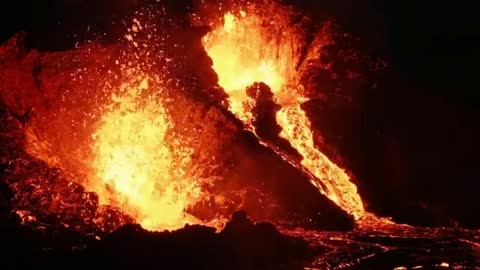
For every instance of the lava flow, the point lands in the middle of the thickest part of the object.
(250, 47)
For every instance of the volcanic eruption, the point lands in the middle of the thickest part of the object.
(124, 144)
(247, 49)
(186, 119)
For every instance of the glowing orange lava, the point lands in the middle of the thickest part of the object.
(243, 54)
(250, 48)
(131, 157)
(135, 167)
(135, 164)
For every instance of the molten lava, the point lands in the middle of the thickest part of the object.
(243, 54)
(118, 138)
(339, 189)
(129, 154)
(250, 47)
(135, 167)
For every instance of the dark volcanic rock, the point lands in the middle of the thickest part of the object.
(264, 111)
(242, 245)
(265, 121)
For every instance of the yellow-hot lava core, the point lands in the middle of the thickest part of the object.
(249, 48)
(134, 165)
(242, 54)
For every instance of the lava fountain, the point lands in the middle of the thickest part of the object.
(250, 47)
(128, 152)
(135, 167)
(128, 158)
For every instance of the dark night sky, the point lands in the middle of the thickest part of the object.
(434, 43)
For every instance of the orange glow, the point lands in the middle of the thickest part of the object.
(131, 158)
(244, 51)
(130, 155)
(339, 189)
(135, 167)
(243, 54)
